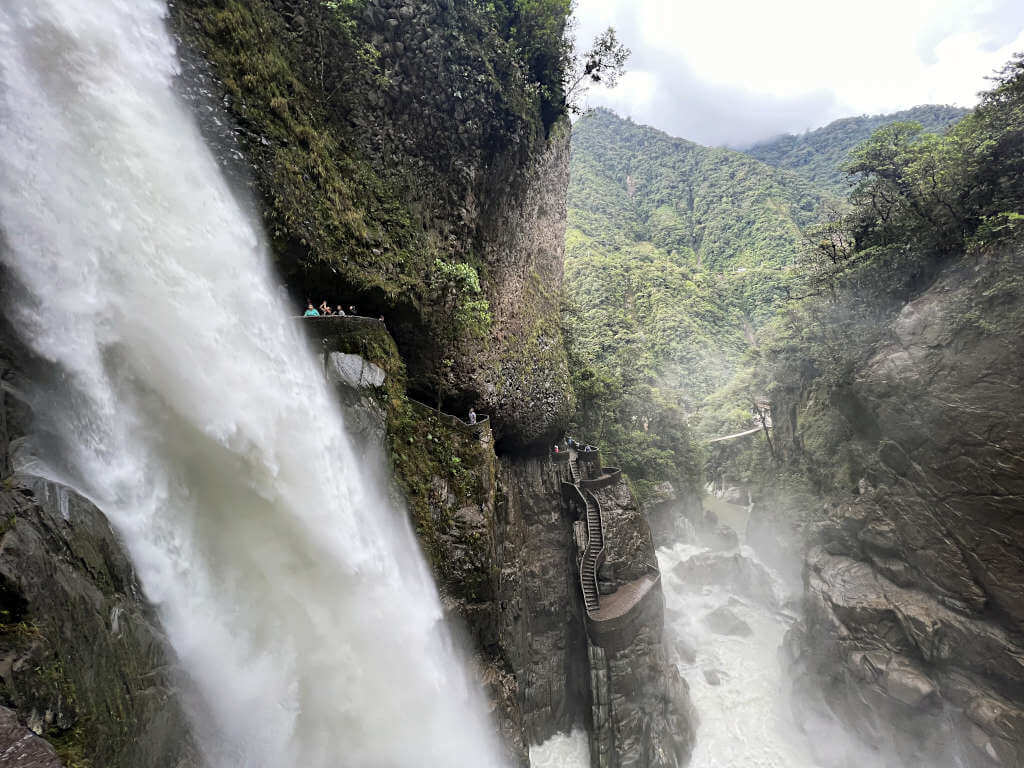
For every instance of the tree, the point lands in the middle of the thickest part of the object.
(459, 311)
(604, 62)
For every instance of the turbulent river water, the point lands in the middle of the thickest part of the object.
(187, 406)
(737, 684)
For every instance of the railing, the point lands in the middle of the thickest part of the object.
(482, 420)
(579, 492)
(593, 554)
(350, 320)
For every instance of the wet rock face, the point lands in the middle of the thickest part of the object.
(916, 592)
(651, 715)
(629, 546)
(723, 621)
(84, 661)
(672, 514)
(22, 748)
(540, 624)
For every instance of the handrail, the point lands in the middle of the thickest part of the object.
(347, 319)
(592, 564)
(482, 420)
(594, 550)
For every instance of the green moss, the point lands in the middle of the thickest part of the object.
(432, 459)
(71, 747)
(363, 188)
(323, 201)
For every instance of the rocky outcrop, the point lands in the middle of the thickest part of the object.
(673, 514)
(915, 596)
(83, 661)
(539, 618)
(641, 711)
(736, 571)
(22, 748)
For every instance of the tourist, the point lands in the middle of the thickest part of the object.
(556, 448)
(472, 416)
(339, 311)
(325, 308)
(352, 309)
(311, 311)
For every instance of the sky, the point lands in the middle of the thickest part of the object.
(733, 72)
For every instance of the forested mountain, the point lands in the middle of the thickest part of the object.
(819, 155)
(714, 207)
(675, 254)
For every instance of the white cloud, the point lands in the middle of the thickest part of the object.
(735, 71)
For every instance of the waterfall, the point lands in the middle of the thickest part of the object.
(189, 408)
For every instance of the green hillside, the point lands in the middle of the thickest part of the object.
(716, 208)
(676, 254)
(819, 155)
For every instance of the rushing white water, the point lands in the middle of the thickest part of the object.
(563, 750)
(741, 702)
(190, 410)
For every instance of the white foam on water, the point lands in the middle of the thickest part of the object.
(563, 750)
(189, 408)
(744, 720)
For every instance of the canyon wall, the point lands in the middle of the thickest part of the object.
(914, 627)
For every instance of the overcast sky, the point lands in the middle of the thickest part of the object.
(736, 71)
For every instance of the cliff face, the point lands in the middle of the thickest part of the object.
(84, 661)
(377, 137)
(539, 620)
(915, 588)
(641, 711)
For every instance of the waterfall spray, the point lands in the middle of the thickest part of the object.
(191, 412)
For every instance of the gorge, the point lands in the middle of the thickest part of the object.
(234, 537)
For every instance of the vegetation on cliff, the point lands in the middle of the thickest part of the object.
(922, 202)
(387, 137)
(675, 255)
(701, 279)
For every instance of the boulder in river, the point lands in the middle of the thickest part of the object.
(724, 621)
(712, 676)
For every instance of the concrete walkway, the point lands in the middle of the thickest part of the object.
(621, 601)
